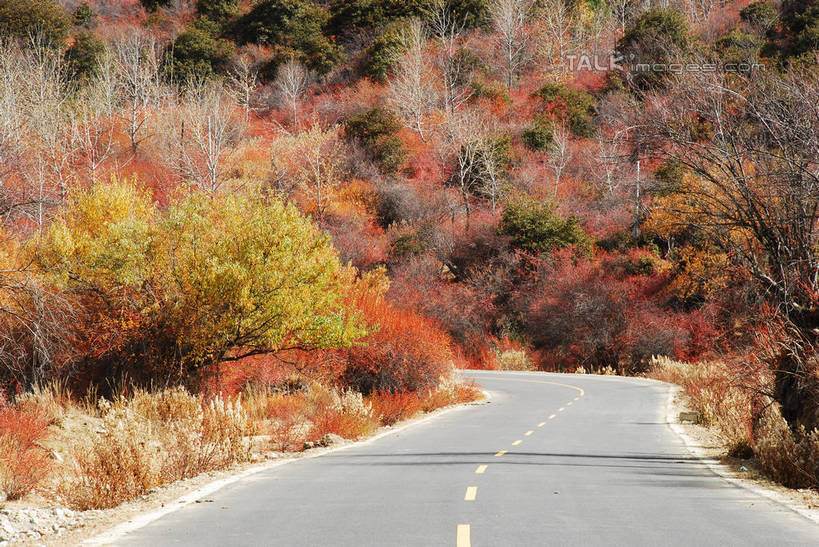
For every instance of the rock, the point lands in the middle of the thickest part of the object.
(309, 444)
(690, 417)
(53, 454)
(330, 439)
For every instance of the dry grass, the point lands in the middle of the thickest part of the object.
(118, 450)
(153, 439)
(394, 407)
(791, 458)
(721, 394)
(717, 393)
(513, 359)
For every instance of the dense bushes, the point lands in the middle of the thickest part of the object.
(376, 130)
(197, 53)
(24, 463)
(574, 107)
(20, 18)
(170, 293)
(405, 351)
(534, 226)
(294, 28)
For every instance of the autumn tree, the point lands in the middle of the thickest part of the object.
(750, 143)
(212, 279)
(313, 162)
(510, 19)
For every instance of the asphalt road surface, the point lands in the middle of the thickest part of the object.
(551, 460)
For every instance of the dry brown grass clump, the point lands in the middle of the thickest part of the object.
(724, 396)
(153, 439)
(513, 359)
(719, 395)
(789, 457)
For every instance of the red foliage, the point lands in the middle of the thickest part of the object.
(394, 407)
(608, 312)
(406, 352)
(24, 462)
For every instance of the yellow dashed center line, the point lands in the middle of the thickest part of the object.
(481, 469)
(517, 442)
(541, 424)
(569, 403)
(471, 493)
(528, 432)
(552, 416)
(463, 536)
(577, 398)
(501, 453)
(561, 409)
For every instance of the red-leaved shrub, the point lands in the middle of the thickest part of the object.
(24, 463)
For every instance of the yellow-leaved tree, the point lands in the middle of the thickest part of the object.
(168, 293)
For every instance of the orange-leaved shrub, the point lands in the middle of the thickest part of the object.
(404, 352)
(24, 463)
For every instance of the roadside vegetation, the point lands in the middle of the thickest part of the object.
(234, 227)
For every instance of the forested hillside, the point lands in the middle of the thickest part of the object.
(252, 198)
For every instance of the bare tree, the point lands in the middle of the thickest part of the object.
(12, 73)
(243, 81)
(411, 92)
(623, 10)
(35, 330)
(137, 72)
(560, 154)
(50, 144)
(292, 80)
(93, 121)
(510, 19)
(752, 146)
(472, 150)
(454, 64)
(559, 20)
(205, 133)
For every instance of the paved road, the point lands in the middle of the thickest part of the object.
(552, 460)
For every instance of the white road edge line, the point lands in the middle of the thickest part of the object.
(139, 521)
(723, 471)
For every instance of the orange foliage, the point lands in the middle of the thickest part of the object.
(23, 461)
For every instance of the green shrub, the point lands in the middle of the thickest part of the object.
(196, 52)
(154, 5)
(651, 38)
(377, 131)
(217, 10)
(384, 51)
(535, 227)
(575, 106)
(19, 18)
(294, 26)
(83, 15)
(83, 57)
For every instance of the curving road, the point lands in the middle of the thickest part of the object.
(552, 460)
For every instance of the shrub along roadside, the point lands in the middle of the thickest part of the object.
(165, 295)
(141, 439)
(730, 398)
